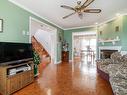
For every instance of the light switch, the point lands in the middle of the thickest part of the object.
(23, 32)
(27, 33)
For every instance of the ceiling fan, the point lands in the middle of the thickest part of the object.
(80, 9)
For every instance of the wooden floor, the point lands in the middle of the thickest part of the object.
(68, 79)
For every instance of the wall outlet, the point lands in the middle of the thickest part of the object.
(23, 32)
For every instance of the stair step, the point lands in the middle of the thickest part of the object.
(41, 51)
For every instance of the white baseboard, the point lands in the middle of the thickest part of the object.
(70, 60)
(59, 62)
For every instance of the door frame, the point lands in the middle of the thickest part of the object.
(54, 36)
(81, 33)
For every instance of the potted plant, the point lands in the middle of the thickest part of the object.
(36, 60)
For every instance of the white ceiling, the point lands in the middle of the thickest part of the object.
(51, 11)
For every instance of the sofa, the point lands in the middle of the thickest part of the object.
(114, 70)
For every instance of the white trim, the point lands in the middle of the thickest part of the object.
(54, 31)
(47, 25)
(84, 33)
(32, 18)
(72, 57)
(70, 61)
(59, 62)
(42, 22)
(93, 26)
(30, 30)
(107, 21)
(111, 19)
(25, 8)
(55, 46)
(90, 26)
(109, 48)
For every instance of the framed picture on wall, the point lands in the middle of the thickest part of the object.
(100, 32)
(1, 25)
(117, 29)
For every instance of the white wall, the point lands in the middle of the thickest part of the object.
(44, 38)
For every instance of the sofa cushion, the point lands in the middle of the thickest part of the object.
(118, 81)
(116, 67)
(124, 58)
(112, 69)
(116, 57)
(119, 85)
(103, 68)
(103, 64)
(122, 72)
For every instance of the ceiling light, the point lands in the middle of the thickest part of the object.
(96, 23)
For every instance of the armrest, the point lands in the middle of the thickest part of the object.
(104, 61)
(117, 70)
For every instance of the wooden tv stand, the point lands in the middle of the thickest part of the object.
(12, 83)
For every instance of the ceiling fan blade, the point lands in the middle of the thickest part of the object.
(87, 3)
(92, 10)
(80, 16)
(67, 7)
(68, 15)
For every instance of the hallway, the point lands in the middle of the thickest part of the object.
(68, 79)
(84, 46)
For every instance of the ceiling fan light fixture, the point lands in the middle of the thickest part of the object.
(81, 8)
(79, 2)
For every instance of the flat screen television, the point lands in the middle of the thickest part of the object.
(13, 53)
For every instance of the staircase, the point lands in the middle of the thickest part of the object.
(44, 55)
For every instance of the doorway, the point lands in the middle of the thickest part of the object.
(45, 35)
(84, 47)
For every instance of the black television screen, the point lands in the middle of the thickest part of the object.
(14, 52)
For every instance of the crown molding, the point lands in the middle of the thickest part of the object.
(94, 26)
(111, 19)
(23, 7)
(90, 26)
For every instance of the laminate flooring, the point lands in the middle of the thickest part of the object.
(76, 78)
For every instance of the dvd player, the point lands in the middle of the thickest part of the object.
(16, 70)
